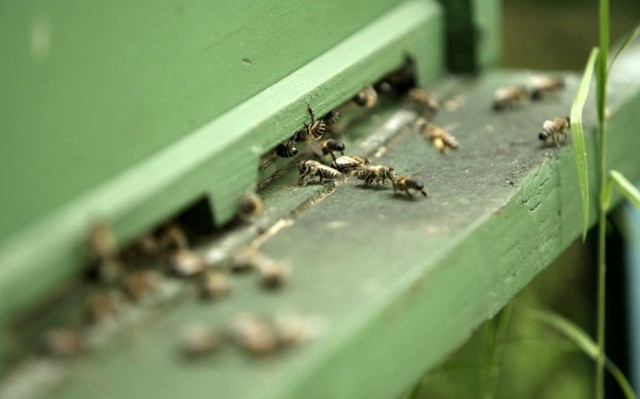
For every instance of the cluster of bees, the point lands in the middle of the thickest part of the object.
(399, 83)
(516, 96)
(125, 277)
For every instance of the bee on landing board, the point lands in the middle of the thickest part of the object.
(555, 129)
(312, 132)
(367, 98)
(286, 149)
(331, 145)
(439, 137)
(310, 169)
(423, 101)
(250, 205)
(509, 97)
(379, 174)
(545, 85)
(349, 164)
(406, 183)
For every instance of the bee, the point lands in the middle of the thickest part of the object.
(214, 285)
(101, 305)
(173, 237)
(291, 329)
(248, 259)
(509, 97)
(401, 80)
(310, 169)
(367, 98)
(63, 343)
(331, 145)
(102, 241)
(439, 137)
(286, 149)
(332, 118)
(185, 263)
(273, 274)
(139, 282)
(199, 339)
(406, 183)
(312, 132)
(423, 101)
(250, 205)
(555, 129)
(254, 334)
(379, 174)
(546, 85)
(347, 164)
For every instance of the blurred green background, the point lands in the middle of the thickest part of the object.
(527, 359)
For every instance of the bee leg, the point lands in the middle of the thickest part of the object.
(321, 179)
(407, 190)
(311, 114)
(332, 156)
(424, 193)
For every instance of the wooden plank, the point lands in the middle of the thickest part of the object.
(400, 283)
(218, 160)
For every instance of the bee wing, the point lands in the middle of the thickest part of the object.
(315, 147)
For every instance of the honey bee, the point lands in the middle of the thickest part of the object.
(185, 263)
(312, 132)
(199, 339)
(439, 137)
(406, 183)
(286, 149)
(367, 98)
(139, 282)
(401, 80)
(250, 205)
(101, 305)
(332, 118)
(379, 174)
(63, 343)
(331, 145)
(348, 165)
(310, 169)
(273, 274)
(105, 252)
(546, 85)
(254, 334)
(248, 259)
(173, 237)
(555, 129)
(214, 285)
(423, 101)
(509, 97)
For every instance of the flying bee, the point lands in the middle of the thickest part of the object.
(254, 334)
(406, 183)
(509, 97)
(347, 164)
(332, 118)
(439, 137)
(250, 205)
(555, 129)
(546, 85)
(286, 149)
(401, 80)
(331, 145)
(310, 169)
(312, 132)
(423, 101)
(199, 339)
(367, 98)
(379, 174)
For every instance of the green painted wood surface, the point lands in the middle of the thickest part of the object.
(89, 90)
(218, 160)
(400, 282)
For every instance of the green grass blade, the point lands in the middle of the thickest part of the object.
(576, 335)
(626, 187)
(630, 38)
(577, 134)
